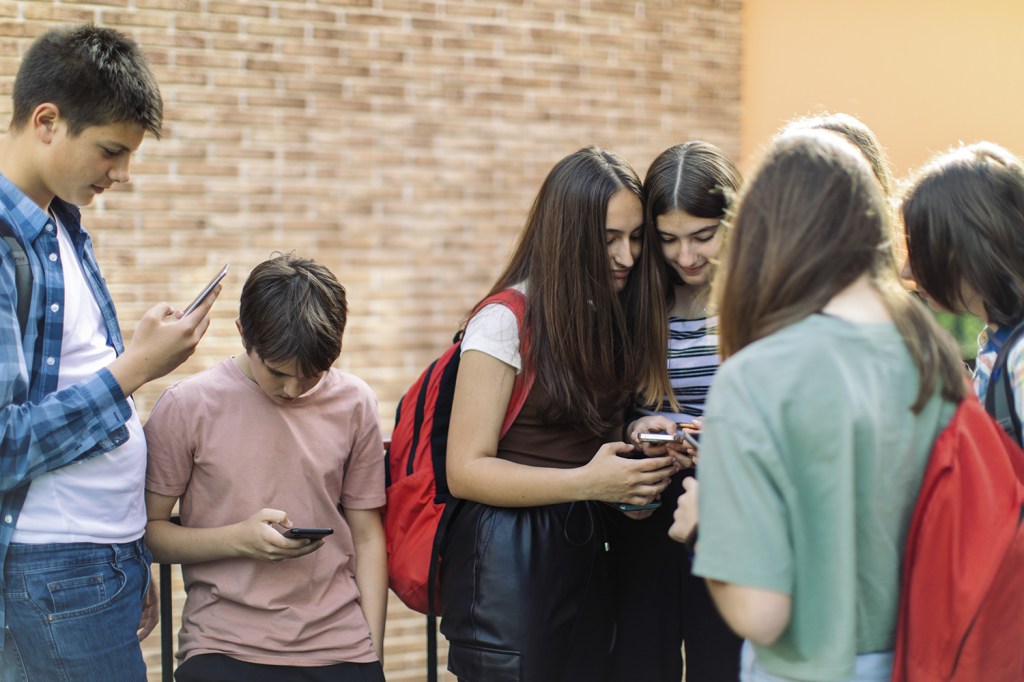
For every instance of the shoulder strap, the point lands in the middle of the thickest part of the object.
(999, 400)
(22, 273)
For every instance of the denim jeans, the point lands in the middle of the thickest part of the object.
(873, 667)
(73, 611)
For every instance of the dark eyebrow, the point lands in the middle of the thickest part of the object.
(709, 227)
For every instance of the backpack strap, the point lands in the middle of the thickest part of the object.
(999, 400)
(22, 273)
(515, 300)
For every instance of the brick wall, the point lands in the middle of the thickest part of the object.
(400, 142)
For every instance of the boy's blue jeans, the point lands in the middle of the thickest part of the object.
(73, 611)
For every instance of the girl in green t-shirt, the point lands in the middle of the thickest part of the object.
(834, 383)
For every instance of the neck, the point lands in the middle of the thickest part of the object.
(16, 166)
(859, 302)
(690, 302)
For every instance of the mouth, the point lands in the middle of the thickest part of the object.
(693, 271)
(621, 274)
(99, 190)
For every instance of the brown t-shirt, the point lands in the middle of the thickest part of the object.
(494, 331)
(531, 441)
(221, 445)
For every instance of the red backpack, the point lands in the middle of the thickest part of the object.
(961, 615)
(419, 505)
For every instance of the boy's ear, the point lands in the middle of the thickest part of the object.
(45, 120)
(238, 326)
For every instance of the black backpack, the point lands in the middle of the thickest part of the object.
(999, 398)
(22, 273)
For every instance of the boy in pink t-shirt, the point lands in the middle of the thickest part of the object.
(271, 439)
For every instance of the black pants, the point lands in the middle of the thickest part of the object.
(524, 594)
(659, 605)
(221, 668)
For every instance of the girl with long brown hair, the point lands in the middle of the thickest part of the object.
(524, 581)
(834, 384)
(660, 605)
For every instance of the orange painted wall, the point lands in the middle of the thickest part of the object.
(923, 74)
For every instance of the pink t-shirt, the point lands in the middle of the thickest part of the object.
(227, 450)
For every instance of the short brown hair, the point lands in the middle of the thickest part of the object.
(96, 76)
(293, 308)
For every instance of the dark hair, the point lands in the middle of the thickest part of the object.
(694, 177)
(95, 76)
(293, 308)
(809, 223)
(588, 342)
(854, 130)
(964, 219)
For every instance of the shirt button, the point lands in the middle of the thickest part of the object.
(50, 361)
(54, 307)
(53, 258)
(8, 519)
(49, 227)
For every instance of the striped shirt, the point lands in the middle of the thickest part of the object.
(42, 429)
(692, 363)
(989, 344)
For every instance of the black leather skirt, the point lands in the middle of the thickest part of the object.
(525, 595)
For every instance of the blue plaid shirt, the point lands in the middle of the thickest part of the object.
(42, 429)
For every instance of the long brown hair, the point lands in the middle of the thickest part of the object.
(964, 219)
(694, 177)
(810, 222)
(588, 343)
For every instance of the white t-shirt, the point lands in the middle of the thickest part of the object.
(99, 500)
(494, 330)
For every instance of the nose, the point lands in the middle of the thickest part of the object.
(622, 254)
(687, 257)
(292, 387)
(121, 170)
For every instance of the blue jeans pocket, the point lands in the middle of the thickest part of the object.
(72, 612)
(69, 593)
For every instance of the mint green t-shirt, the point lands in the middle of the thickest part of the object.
(810, 464)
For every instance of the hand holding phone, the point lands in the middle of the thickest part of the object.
(206, 290)
(691, 438)
(308, 533)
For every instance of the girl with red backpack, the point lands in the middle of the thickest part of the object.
(524, 582)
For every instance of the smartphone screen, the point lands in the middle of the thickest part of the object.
(308, 533)
(206, 290)
(636, 507)
(658, 438)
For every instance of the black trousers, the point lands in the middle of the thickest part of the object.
(221, 668)
(525, 594)
(659, 606)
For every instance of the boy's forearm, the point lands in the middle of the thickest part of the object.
(372, 581)
(174, 544)
(34, 440)
(371, 570)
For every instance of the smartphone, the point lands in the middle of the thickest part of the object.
(206, 290)
(658, 438)
(691, 438)
(308, 533)
(636, 507)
